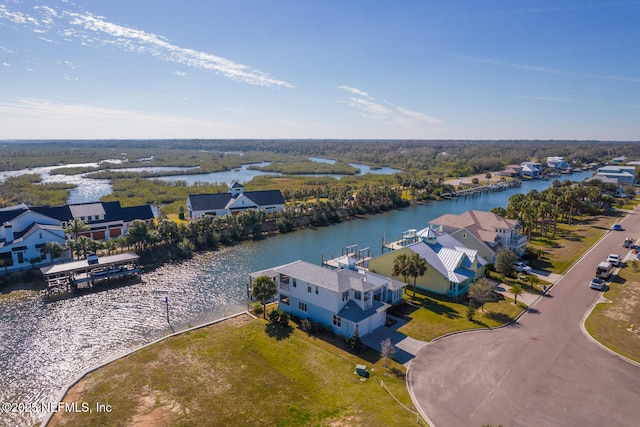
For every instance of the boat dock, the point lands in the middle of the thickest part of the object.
(351, 257)
(482, 189)
(88, 272)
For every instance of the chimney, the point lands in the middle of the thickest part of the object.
(8, 232)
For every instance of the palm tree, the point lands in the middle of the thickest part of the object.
(516, 290)
(417, 267)
(401, 266)
(531, 280)
(263, 289)
(76, 226)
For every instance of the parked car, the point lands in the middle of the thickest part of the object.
(616, 227)
(628, 243)
(604, 270)
(521, 267)
(614, 259)
(596, 283)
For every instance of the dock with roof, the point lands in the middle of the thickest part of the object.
(88, 272)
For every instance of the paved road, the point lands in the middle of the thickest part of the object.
(540, 371)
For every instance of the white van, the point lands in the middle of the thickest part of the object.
(604, 270)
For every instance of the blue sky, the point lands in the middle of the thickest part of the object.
(409, 69)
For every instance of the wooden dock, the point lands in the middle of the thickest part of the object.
(72, 275)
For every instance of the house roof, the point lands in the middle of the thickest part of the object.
(86, 209)
(205, 202)
(352, 312)
(335, 280)
(476, 220)
(448, 257)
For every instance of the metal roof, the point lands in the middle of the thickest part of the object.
(84, 264)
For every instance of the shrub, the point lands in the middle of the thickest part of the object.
(274, 316)
(284, 319)
(257, 309)
(306, 325)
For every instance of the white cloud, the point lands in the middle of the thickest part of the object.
(354, 91)
(619, 78)
(57, 120)
(180, 73)
(525, 67)
(390, 113)
(547, 98)
(96, 31)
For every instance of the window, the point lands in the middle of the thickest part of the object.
(20, 257)
(302, 306)
(345, 295)
(316, 289)
(309, 288)
(357, 295)
(294, 283)
(337, 321)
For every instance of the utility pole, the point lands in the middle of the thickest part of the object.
(166, 300)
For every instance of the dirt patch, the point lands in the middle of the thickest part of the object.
(74, 394)
(623, 309)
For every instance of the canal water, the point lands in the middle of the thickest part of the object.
(46, 344)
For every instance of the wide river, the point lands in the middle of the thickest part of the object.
(46, 344)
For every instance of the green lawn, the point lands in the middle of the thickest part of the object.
(570, 242)
(611, 323)
(245, 373)
(431, 317)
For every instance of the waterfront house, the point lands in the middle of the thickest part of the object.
(512, 171)
(558, 163)
(346, 300)
(23, 236)
(483, 231)
(531, 170)
(451, 267)
(624, 175)
(234, 201)
(105, 220)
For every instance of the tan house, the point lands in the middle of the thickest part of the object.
(483, 231)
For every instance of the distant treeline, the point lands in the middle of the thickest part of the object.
(447, 157)
(425, 164)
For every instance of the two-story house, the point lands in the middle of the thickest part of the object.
(347, 300)
(234, 201)
(451, 267)
(23, 236)
(104, 220)
(483, 231)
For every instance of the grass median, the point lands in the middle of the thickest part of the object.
(429, 317)
(616, 324)
(243, 372)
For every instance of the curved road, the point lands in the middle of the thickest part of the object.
(542, 370)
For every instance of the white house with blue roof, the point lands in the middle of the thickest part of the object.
(347, 300)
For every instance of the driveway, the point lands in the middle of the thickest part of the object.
(541, 370)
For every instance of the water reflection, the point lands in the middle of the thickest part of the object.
(44, 345)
